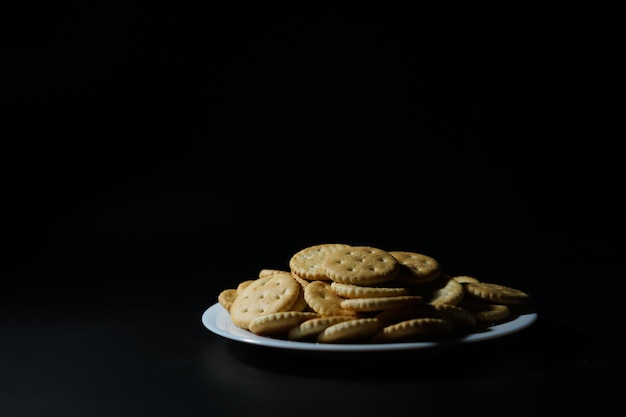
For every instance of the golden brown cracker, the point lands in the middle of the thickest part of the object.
(380, 303)
(496, 293)
(323, 300)
(243, 284)
(350, 331)
(269, 271)
(463, 279)
(309, 329)
(464, 321)
(361, 291)
(485, 312)
(416, 268)
(301, 304)
(360, 265)
(270, 294)
(227, 297)
(443, 290)
(279, 323)
(419, 329)
(395, 315)
(307, 262)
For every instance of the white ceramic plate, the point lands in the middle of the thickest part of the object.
(217, 320)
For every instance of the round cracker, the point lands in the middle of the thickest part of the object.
(464, 320)
(349, 331)
(269, 294)
(416, 268)
(323, 300)
(227, 297)
(243, 284)
(307, 262)
(279, 323)
(309, 329)
(395, 315)
(497, 294)
(485, 312)
(269, 271)
(361, 265)
(380, 303)
(428, 328)
(361, 291)
(300, 304)
(465, 279)
(443, 290)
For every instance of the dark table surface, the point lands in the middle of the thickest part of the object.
(157, 156)
(107, 320)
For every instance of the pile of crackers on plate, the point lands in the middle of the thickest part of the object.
(340, 293)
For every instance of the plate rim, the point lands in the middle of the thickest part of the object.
(216, 311)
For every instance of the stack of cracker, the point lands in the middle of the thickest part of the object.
(340, 293)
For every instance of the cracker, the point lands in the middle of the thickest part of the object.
(227, 297)
(303, 282)
(464, 320)
(419, 329)
(416, 268)
(497, 294)
(349, 331)
(360, 265)
(443, 290)
(395, 315)
(309, 329)
(279, 323)
(269, 294)
(307, 262)
(300, 304)
(361, 291)
(323, 300)
(465, 279)
(243, 284)
(269, 271)
(485, 312)
(380, 303)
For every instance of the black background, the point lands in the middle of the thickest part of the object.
(192, 134)
(154, 154)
